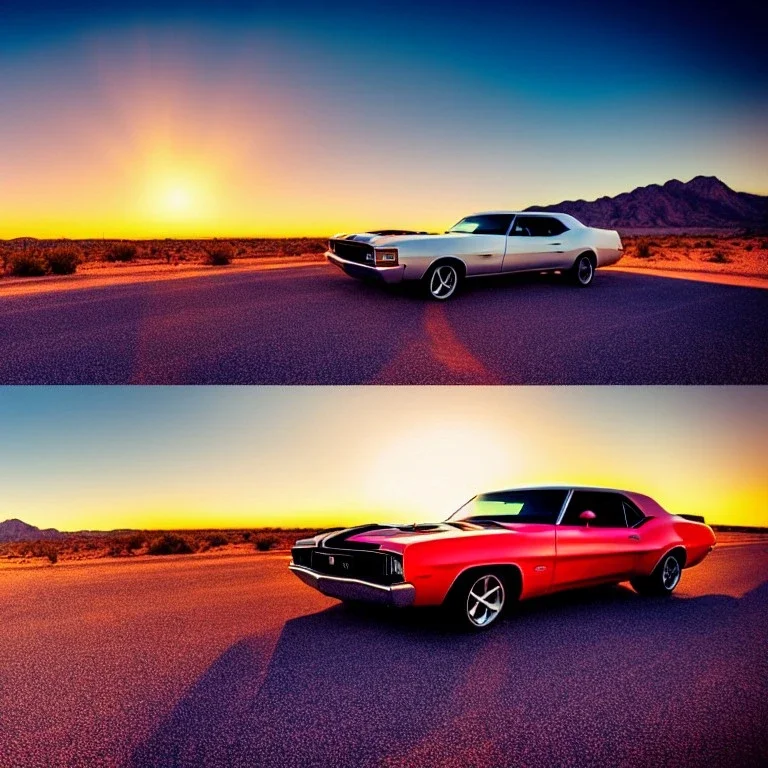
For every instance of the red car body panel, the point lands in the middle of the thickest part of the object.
(548, 557)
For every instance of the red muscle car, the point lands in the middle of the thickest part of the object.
(505, 546)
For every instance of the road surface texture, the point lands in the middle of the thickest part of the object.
(232, 661)
(314, 325)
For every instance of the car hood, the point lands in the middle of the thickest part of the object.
(393, 241)
(397, 537)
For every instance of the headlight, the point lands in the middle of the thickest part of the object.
(386, 257)
(396, 565)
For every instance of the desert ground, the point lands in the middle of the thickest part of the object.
(744, 255)
(232, 661)
(69, 548)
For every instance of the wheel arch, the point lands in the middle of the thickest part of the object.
(587, 252)
(677, 549)
(511, 573)
(456, 260)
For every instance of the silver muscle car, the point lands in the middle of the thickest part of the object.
(491, 243)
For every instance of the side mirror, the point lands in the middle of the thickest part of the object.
(587, 516)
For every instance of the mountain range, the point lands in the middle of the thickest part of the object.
(704, 202)
(18, 530)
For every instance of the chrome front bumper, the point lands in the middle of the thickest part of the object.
(364, 271)
(398, 595)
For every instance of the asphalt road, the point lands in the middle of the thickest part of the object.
(234, 662)
(314, 325)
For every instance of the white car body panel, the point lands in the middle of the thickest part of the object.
(485, 254)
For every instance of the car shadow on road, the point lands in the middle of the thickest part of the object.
(352, 687)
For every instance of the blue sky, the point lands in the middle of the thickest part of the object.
(309, 118)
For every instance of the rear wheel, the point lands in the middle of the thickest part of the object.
(442, 281)
(478, 600)
(583, 271)
(663, 580)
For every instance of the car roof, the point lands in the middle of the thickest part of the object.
(564, 217)
(559, 488)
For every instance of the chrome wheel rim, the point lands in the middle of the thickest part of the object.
(443, 282)
(485, 600)
(585, 271)
(670, 573)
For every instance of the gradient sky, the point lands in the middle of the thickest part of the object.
(154, 457)
(246, 118)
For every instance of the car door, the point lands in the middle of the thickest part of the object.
(534, 242)
(601, 550)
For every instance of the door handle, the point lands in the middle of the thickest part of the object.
(555, 243)
(634, 537)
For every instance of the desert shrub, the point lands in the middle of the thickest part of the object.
(27, 263)
(121, 252)
(52, 554)
(709, 244)
(718, 257)
(748, 247)
(246, 535)
(117, 548)
(644, 251)
(169, 544)
(135, 541)
(219, 254)
(266, 541)
(217, 540)
(764, 245)
(63, 259)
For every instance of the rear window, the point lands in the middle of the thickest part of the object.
(485, 224)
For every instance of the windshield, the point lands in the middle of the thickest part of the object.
(513, 507)
(485, 224)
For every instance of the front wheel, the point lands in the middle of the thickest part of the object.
(442, 281)
(583, 271)
(663, 580)
(478, 600)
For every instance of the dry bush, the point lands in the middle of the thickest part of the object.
(63, 259)
(219, 254)
(718, 257)
(27, 263)
(169, 544)
(120, 252)
(644, 250)
(266, 541)
(135, 541)
(217, 540)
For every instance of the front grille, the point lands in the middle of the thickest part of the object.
(359, 253)
(364, 565)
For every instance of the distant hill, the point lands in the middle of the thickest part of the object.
(704, 202)
(17, 530)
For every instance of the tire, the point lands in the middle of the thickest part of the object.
(663, 580)
(443, 280)
(478, 600)
(582, 273)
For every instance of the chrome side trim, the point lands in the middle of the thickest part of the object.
(564, 507)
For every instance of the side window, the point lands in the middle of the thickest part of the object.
(522, 226)
(608, 509)
(631, 513)
(537, 226)
(551, 227)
